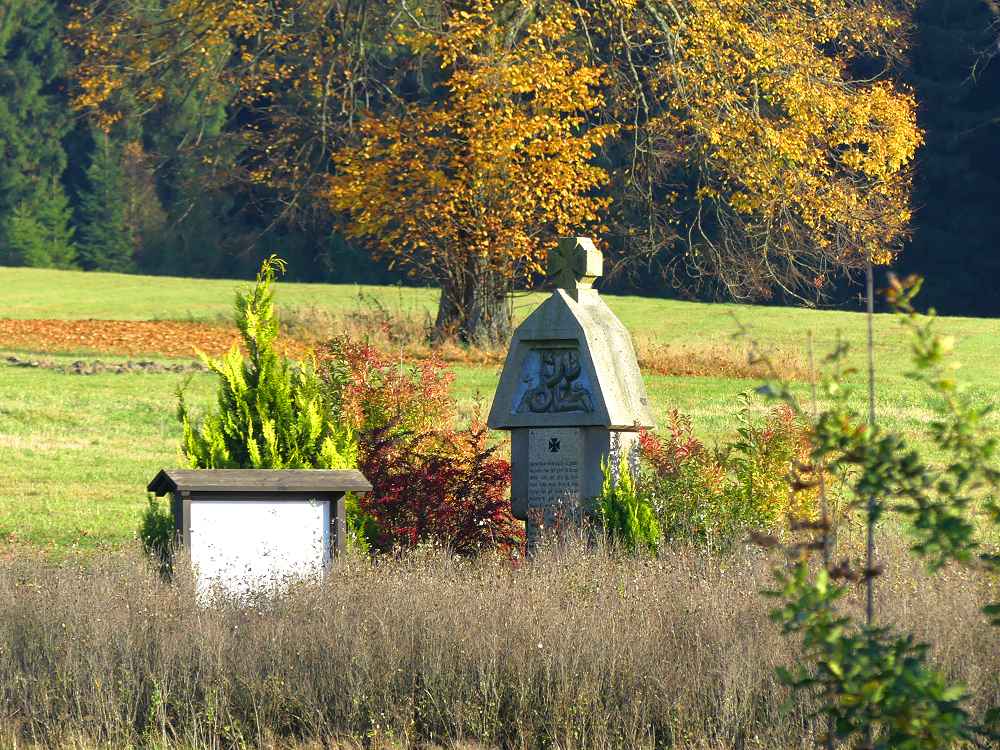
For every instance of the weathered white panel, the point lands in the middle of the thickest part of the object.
(250, 545)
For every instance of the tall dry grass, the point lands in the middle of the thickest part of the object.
(578, 649)
(733, 360)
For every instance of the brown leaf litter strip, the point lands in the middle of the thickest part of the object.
(177, 339)
(164, 338)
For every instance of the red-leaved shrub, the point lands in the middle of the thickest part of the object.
(432, 481)
(675, 445)
(445, 486)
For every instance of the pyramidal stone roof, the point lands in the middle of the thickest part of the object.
(571, 363)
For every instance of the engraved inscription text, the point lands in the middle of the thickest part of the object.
(553, 466)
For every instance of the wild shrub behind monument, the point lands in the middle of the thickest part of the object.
(716, 496)
(434, 481)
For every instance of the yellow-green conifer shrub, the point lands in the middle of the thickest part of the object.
(626, 514)
(270, 410)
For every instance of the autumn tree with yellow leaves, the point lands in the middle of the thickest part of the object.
(473, 187)
(769, 146)
(757, 146)
(292, 75)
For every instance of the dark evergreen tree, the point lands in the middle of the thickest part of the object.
(54, 215)
(34, 117)
(956, 229)
(39, 233)
(105, 240)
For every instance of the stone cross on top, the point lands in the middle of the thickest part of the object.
(574, 265)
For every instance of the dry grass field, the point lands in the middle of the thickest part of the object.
(579, 649)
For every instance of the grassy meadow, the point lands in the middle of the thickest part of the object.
(583, 648)
(77, 450)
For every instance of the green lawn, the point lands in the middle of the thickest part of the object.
(76, 451)
(72, 295)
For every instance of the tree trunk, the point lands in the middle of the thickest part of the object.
(475, 306)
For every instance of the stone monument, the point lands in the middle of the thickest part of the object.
(570, 393)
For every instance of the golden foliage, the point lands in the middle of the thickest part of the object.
(795, 164)
(496, 166)
(125, 47)
(764, 139)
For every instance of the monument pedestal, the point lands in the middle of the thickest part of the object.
(551, 464)
(556, 472)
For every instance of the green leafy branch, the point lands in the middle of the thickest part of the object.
(876, 685)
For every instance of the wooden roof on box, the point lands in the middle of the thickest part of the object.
(259, 480)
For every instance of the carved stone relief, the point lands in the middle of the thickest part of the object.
(553, 382)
